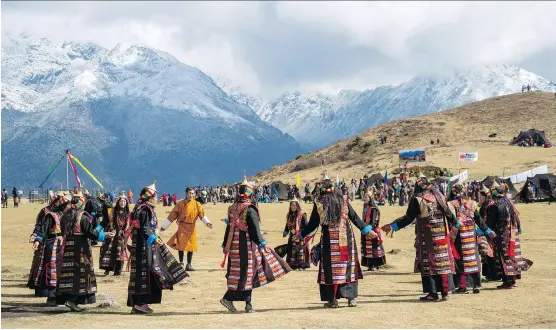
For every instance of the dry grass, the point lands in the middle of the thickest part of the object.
(387, 298)
(462, 129)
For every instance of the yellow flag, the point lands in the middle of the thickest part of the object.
(298, 181)
(87, 171)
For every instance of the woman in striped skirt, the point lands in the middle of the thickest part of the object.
(339, 268)
(76, 283)
(113, 252)
(251, 263)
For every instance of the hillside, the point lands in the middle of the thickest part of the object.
(306, 115)
(465, 128)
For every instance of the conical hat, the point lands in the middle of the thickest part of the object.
(325, 175)
(294, 199)
(152, 187)
(122, 195)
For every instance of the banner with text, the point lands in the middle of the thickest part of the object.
(412, 156)
(468, 156)
(460, 177)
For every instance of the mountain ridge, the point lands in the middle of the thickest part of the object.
(129, 104)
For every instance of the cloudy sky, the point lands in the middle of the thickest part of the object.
(271, 47)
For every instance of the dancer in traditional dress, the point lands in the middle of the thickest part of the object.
(466, 255)
(339, 268)
(434, 258)
(372, 251)
(298, 252)
(113, 252)
(76, 284)
(503, 218)
(251, 262)
(47, 237)
(486, 244)
(153, 267)
(185, 239)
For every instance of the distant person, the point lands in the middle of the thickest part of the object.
(15, 197)
(528, 87)
(437, 141)
(4, 199)
(432, 142)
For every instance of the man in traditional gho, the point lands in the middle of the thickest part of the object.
(76, 284)
(372, 251)
(339, 268)
(251, 262)
(47, 239)
(434, 258)
(297, 255)
(186, 212)
(113, 252)
(153, 267)
(503, 218)
(466, 253)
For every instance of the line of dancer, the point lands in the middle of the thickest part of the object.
(455, 239)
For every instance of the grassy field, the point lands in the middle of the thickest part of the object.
(388, 298)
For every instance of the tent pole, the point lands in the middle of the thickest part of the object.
(67, 173)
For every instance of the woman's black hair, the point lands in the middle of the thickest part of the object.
(332, 201)
(67, 223)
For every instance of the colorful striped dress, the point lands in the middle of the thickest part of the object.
(250, 266)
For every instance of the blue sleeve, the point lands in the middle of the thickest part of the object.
(101, 236)
(93, 214)
(227, 221)
(300, 235)
(457, 225)
(99, 228)
(479, 231)
(151, 239)
(263, 243)
(519, 230)
(38, 238)
(488, 232)
(394, 226)
(366, 230)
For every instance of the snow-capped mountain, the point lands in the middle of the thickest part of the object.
(317, 120)
(130, 114)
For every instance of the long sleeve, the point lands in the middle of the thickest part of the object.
(304, 220)
(201, 210)
(314, 222)
(46, 224)
(253, 227)
(226, 233)
(374, 215)
(413, 210)
(492, 216)
(480, 222)
(146, 230)
(88, 230)
(354, 218)
(38, 223)
(174, 213)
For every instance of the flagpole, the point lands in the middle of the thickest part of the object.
(67, 172)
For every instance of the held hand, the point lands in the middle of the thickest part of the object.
(159, 241)
(223, 220)
(36, 246)
(492, 235)
(110, 234)
(32, 238)
(372, 235)
(162, 229)
(209, 225)
(285, 233)
(386, 228)
(267, 249)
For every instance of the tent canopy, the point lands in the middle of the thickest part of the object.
(489, 181)
(539, 137)
(282, 189)
(377, 177)
(544, 183)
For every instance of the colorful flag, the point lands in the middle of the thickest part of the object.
(298, 181)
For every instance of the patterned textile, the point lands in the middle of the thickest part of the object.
(153, 259)
(468, 260)
(77, 274)
(372, 248)
(249, 267)
(298, 250)
(340, 265)
(434, 255)
(114, 249)
(47, 263)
